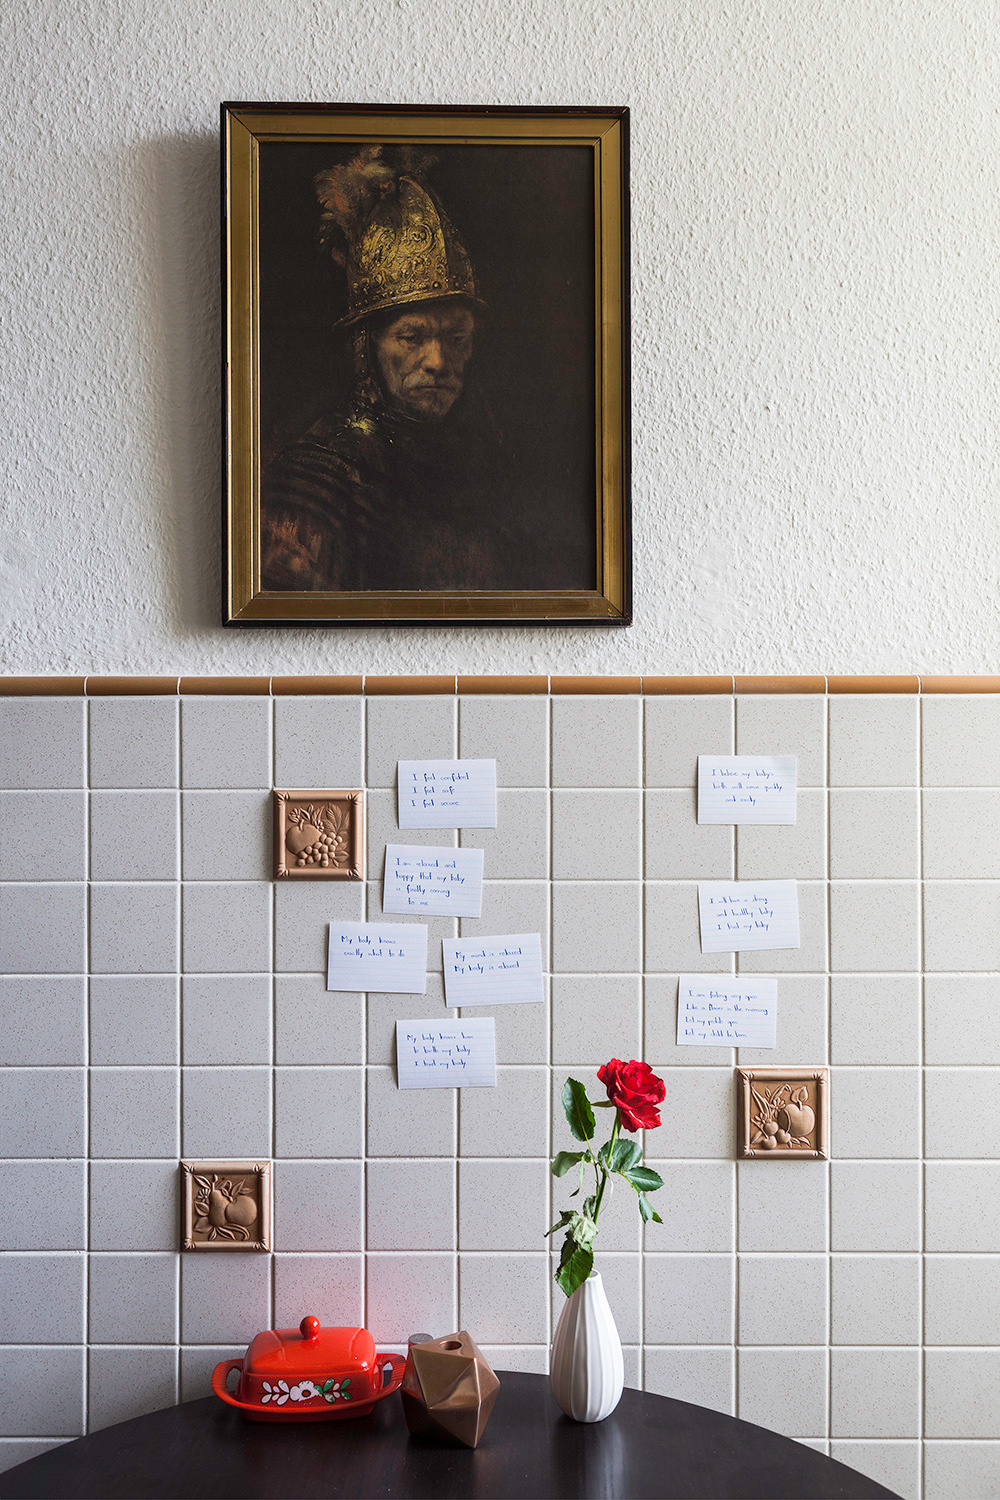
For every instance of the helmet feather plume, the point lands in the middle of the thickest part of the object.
(348, 192)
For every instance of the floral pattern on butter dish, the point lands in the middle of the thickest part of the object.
(306, 1390)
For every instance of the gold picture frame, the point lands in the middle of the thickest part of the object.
(430, 437)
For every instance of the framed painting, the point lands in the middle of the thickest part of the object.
(426, 364)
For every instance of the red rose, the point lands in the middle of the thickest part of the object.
(635, 1090)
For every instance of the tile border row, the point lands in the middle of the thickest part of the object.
(450, 684)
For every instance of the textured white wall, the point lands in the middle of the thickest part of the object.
(815, 315)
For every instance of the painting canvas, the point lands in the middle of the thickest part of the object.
(425, 365)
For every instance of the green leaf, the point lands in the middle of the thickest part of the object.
(578, 1110)
(345, 1383)
(643, 1179)
(561, 1222)
(564, 1160)
(328, 1384)
(582, 1229)
(621, 1156)
(574, 1268)
(603, 1103)
(647, 1210)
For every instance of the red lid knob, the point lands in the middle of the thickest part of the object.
(309, 1328)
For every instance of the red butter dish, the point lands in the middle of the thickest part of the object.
(309, 1374)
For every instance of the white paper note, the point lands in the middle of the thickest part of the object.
(493, 970)
(447, 793)
(434, 882)
(388, 956)
(746, 788)
(741, 915)
(446, 1054)
(716, 1011)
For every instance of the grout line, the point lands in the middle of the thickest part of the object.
(88, 1212)
(921, 1112)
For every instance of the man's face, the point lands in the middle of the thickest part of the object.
(422, 357)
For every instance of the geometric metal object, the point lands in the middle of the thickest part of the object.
(319, 835)
(448, 1389)
(782, 1113)
(226, 1205)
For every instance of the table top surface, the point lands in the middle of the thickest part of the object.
(650, 1446)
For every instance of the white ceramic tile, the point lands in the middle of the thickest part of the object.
(697, 1205)
(227, 928)
(680, 729)
(961, 1471)
(596, 926)
(42, 1298)
(698, 1115)
(198, 1363)
(315, 1025)
(14, 1451)
(875, 1018)
(226, 743)
(856, 1375)
(317, 1205)
(227, 1018)
(961, 834)
(960, 1206)
(381, 828)
(960, 1299)
(43, 1112)
(134, 1205)
(133, 1299)
(958, 1118)
(127, 1383)
(410, 1294)
(690, 1299)
(961, 925)
(801, 1026)
(705, 1377)
(784, 1389)
(410, 1122)
(437, 927)
(502, 1204)
(960, 736)
(876, 1299)
(42, 929)
(782, 1206)
(58, 1372)
(783, 1299)
(509, 1120)
(226, 1113)
(133, 836)
(673, 943)
(134, 1112)
(595, 1017)
(963, 1393)
(678, 847)
(227, 835)
(411, 1203)
(317, 743)
(512, 906)
(518, 848)
(318, 1112)
(522, 1031)
(41, 743)
(328, 1287)
(42, 836)
(874, 835)
(782, 851)
(224, 1295)
(660, 1047)
(302, 911)
(512, 730)
(532, 1359)
(134, 1019)
(620, 1222)
(595, 741)
(385, 1010)
(810, 956)
(409, 729)
(894, 1465)
(505, 1298)
(875, 1114)
(44, 1020)
(785, 725)
(874, 925)
(596, 835)
(976, 999)
(133, 928)
(873, 739)
(621, 1277)
(875, 1205)
(134, 742)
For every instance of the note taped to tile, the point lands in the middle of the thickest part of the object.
(493, 970)
(716, 1011)
(447, 793)
(433, 882)
(446, 1054)
(746, 788)
(384, 956)
(740, 915)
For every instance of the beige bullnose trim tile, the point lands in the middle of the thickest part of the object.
(780, 684)
(42, 687)
(408, 686)
(595, 685)
(316, 687)
(131, 687)
(683, 687)
(513, 684)
(873, 684)
(230, 686)
(960, 684)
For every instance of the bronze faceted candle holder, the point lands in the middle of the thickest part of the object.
(448, 1388)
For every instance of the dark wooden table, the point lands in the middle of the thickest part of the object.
(649, 1447)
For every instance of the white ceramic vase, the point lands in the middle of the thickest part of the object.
(586, 1371)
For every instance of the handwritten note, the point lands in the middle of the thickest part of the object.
(741, 915)
(447, 793)
(438, 882)
(715, 1011)
(493, 970)
(746, 788)
(378, 956)
(446, 1055)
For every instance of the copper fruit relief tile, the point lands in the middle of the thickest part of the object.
(319, 835)
(226, 1205)
(783, 1112)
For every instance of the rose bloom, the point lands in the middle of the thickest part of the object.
(635, 1090)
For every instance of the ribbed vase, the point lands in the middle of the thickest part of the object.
(586, 1371)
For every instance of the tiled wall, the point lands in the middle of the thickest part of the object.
(164, 997)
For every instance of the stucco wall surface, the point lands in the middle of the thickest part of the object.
(814, 322)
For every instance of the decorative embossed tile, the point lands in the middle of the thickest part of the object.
(319, 835)
(226, 1205)
(783, 1112)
